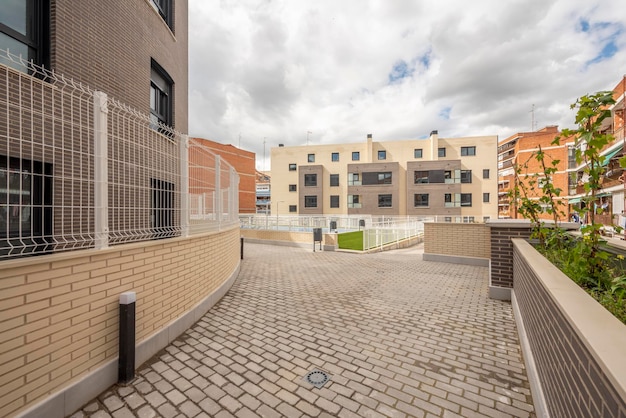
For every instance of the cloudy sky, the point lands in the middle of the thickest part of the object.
(333, 71)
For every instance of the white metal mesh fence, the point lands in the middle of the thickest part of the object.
(80, 170)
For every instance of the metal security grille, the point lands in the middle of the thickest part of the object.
(81, 170)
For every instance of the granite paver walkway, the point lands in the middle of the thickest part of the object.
(398, 336)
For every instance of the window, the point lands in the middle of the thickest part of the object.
(374, 178)
(354, 201)
(310, 201)
(293, 208)
(420, 177)
(24, 30)
(417, 153)
(164, 7)
(485, 197)
(353, 179)
(356, 156)
(334, 156)
(293, 187)
(466, 176)
(486, 173)
(384, 178)
(310, 158)
(466, 199)
(25, 206)
(292, 167)
(486, 218)
(162, 204)
(441, 152)
(160, 96)
(310, 180)
(384, 200)
(334, 180)
(334, 201)
(447, 219)
(465, 151)
(382, 155)
(421, 200)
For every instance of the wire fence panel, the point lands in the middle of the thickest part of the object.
(81, 170)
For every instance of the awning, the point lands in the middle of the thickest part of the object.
(575, 200)
(607, 158)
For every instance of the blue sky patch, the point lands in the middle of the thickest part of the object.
(445, 112)
(400, 71)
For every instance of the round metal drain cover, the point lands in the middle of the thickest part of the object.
(317, 378)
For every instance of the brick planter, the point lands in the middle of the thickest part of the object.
(573, 347)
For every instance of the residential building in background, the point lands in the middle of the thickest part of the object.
(518, 151)
(263, 192)
(242, 161)
(455, 178)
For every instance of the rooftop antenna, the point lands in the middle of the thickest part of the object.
(307, 136)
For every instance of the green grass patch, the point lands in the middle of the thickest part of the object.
(350, 241)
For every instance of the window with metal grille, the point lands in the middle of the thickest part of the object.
(310, 180)
(310, 201)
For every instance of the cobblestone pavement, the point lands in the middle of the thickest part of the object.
(398, 336)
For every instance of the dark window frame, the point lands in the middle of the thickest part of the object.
(418, 153)
(334, 201)
(165, 9)
(310, 180)
(293, 166)
(334, 180)
(37, 36)
(310, 158)
(356, 154)
(485, 173)
(469, 151)
(310, 201)
(293, 187)
(486, 197)
(419, 175)
(419, 201)
(385, 200)
(466, 200)
(441, 152)
(382, 154)
(293, 208)
(334, 156)
(162, 104)
(466, 176)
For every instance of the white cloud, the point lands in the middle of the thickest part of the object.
(398, 69)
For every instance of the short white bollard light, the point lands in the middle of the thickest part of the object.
(126, 361)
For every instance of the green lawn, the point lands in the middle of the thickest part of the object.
(350, 240)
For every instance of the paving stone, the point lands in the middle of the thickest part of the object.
(123, 412)
(393, 333)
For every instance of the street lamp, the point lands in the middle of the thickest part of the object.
(280, 201)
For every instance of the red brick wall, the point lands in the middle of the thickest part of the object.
(244, 163)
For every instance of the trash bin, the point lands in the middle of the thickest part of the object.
(317, 234)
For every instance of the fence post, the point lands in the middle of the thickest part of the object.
(101, 189)
(218, 193)
(183, 148)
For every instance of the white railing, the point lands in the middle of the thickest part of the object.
(81, 170)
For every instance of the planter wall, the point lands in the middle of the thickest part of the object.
(573, 347)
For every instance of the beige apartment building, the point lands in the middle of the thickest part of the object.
(455, 178)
